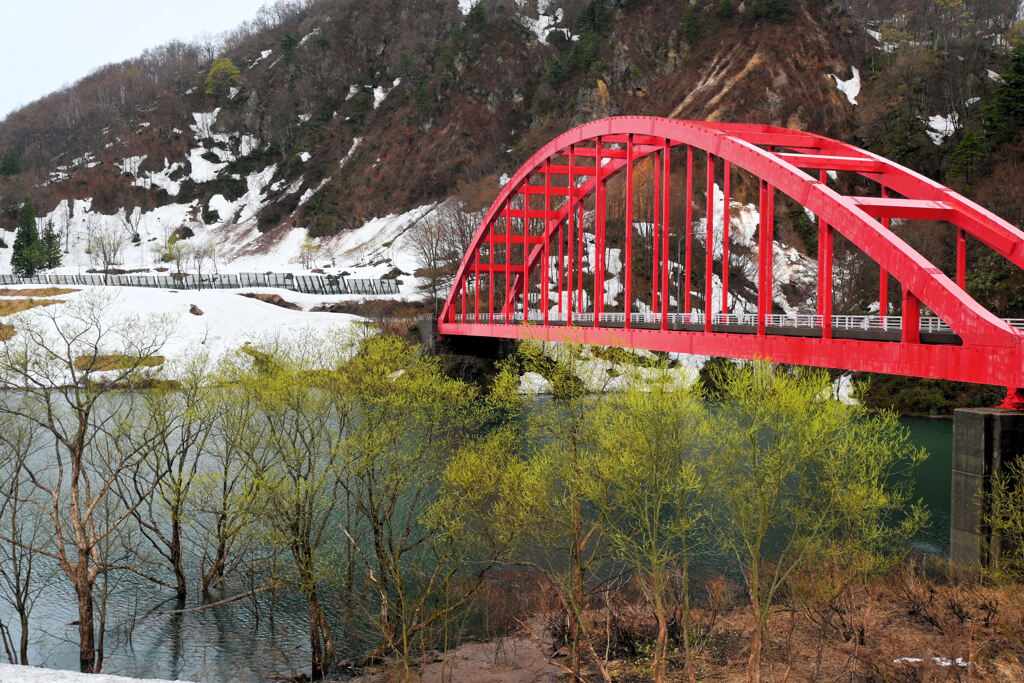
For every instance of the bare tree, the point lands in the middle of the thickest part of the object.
(63, 373)
(458, 226)
(201, 254)
(24, 575)
(131, 219)
(105, 248)
(217, 507)
(428, 243)
(172, 431)
(440, 241)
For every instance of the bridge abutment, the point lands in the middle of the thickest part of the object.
(985, 442)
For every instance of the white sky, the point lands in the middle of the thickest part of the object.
(46, 44)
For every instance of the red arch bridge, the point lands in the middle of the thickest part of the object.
(553, 258)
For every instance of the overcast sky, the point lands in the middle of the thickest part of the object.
(46, 44)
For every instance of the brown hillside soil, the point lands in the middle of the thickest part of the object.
(274, 299)
(12, 306)
(41, 291)
(6, 332)
(115, 362)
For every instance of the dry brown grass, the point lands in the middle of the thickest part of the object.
(12, 306)
(115, 362)
(39, 291)
(6, 332)
(876, 631)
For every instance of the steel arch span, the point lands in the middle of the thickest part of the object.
(547, 262)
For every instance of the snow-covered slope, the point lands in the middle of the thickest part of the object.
(228, 320)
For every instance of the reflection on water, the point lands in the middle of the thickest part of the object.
(241, 641)
(934, 479)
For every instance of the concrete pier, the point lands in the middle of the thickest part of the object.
(985, 441)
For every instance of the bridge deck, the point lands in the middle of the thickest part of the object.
(869, 328)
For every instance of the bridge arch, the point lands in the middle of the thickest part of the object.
(538, 218)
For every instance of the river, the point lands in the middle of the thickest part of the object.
(237, 642)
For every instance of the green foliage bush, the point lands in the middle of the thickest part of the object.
(1006, 519)
(223, 76)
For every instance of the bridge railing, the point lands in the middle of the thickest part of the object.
(885, 323)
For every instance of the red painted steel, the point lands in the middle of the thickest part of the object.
(883, 277)
(666, 178)
(726, 172)
(688, 227)
(709, 243)
(985, 349)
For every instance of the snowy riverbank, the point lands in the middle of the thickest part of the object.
(10, 673)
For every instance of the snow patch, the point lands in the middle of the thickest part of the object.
(309, 35)
(247, 145)
(32, 674)
(305, 156)
(204, 122)
(263, 55)
(308, 194)
(203, 170)
(351, 151)
(546, 23)
(941, 127)
(161, 179)
(130, 165)
(851, 87)
(940, 661)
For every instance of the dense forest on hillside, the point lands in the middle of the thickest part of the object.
(477, 93)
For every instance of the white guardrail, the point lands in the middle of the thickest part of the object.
(884, 323)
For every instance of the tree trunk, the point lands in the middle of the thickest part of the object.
(754, 663)
(316, 651)
(23, 645)
(576, 599)
(661, 647)
(86, 633)
(216, 572)
(181, 585)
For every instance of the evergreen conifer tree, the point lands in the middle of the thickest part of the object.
(25, 253)
(10, 165)
(51, 246)
(1004, 115)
